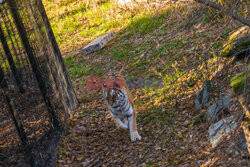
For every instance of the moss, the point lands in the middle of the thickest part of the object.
(236, 42)
(231, 49)
(237, 82)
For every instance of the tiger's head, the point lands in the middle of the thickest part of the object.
(114, 82)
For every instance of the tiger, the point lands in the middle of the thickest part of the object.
(120, 103)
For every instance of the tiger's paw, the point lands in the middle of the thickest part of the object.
(135, 137)
(123, 127)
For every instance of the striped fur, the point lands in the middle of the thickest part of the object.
(121, 106)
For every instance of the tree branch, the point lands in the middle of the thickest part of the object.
(230, 13)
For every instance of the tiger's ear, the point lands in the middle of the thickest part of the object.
(116, 85)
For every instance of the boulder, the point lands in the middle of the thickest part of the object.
(215, 111)
(221, 129)
(98, 43)
(202, 97)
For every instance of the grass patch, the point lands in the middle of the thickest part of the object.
(79, 70)
(211, 15)
(76, 68)
(218, 44)
(145, 24)
(120, 53)
(176, 44)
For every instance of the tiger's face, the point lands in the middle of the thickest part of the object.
(111, 93)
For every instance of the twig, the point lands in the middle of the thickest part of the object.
(223, 35)
(221, 8)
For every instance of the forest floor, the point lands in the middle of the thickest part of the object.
(177, 44)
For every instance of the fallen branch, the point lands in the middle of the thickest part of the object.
(230, 13)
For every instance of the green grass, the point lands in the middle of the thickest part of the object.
(176, 44)
(218, 44)
(211, 15)
(144, 24)
(78, 68)
(120, 53)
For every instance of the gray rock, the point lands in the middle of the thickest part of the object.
(202, 97)
(215, 109)
(220, 129)
(98, 43)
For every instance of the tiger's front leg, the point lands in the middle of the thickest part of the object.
(134, 135)
(120, 124)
